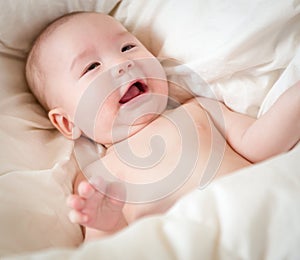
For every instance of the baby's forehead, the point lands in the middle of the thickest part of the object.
(80, 32)
(82, 23)
(89, 20)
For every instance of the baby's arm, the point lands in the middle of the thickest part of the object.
(276, 131)
(98, 213)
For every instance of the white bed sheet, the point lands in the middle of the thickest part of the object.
(252, 214)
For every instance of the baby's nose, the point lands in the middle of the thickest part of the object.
(122, 68)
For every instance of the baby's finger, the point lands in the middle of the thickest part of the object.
(77, 217)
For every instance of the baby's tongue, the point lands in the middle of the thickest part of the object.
(131, 93)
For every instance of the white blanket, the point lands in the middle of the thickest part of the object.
(246, 53)
(253, 214)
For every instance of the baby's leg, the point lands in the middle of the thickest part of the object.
(93, 209)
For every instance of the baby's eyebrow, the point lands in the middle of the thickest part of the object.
(78, 57)
(124, 34)
(85, 52)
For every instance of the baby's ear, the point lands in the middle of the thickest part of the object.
(63, 123)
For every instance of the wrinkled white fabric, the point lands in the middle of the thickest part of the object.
(252, 214)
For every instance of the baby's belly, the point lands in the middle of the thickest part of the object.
(178, 152)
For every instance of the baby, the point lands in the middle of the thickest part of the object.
(97, 80)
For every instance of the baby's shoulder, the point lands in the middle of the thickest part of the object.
(87, 151)
(191, 107)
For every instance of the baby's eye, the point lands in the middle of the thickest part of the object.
(92, 66)
(127, 47)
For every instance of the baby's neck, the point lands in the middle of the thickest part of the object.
(134, 130)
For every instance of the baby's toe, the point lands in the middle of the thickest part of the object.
(77, 217)
(75, 202)
(85, 190)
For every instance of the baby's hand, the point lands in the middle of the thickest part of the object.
(93, 209)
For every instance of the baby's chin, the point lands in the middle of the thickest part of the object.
(140, 123)
(123, 132)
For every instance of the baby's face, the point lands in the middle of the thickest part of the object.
(105, 81)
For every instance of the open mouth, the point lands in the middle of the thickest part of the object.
(136, 89)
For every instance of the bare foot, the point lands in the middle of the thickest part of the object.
(92, 209)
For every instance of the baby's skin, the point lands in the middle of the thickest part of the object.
(218, 129)
(98, 211)
(89, 64)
